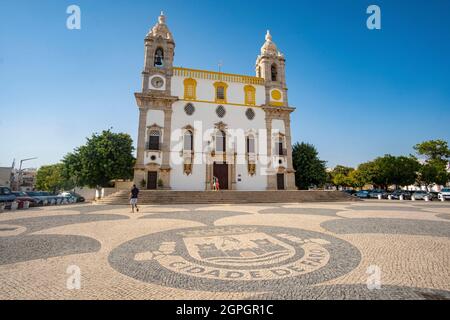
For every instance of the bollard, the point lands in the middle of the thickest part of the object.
(379, 197)
(26, 204)
(2, 207)
(45, 202)
(401, 197)
(426, 198)
(442, 198)
(413, 198)
(389, 197)
(58, 201)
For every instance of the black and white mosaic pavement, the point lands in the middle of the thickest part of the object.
(388, 226)
(235, 258)
(257, 251)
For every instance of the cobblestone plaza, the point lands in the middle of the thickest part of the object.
(341, 250)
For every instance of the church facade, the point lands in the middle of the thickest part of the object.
(197, 127)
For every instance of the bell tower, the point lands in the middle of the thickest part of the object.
(155, 96)
(270, 65)
(158, 62)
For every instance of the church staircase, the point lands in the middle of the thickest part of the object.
(225, 197)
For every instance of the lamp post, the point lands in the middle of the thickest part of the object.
(19, 182)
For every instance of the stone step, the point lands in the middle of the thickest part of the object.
(212, 197)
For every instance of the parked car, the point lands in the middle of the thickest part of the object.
(375, 193)
(75, 196)
(6, 196)
(396, 194)
(445, 193)
(434, 194)
(350, 192)
(363, 194)
(40, 197)
(21, 197)
(420, 195)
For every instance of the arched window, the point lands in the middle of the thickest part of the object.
(190, 89)
(188, 140)
(153, 140)
(220, 141)
(250, 144)
(250, 95)
(159, 57)
(279, 145)
(221, 92)
(274, 72)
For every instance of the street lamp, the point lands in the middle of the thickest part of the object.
(20, 171)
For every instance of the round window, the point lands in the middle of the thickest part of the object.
(189, 109)
(250, 114)
(220, 111)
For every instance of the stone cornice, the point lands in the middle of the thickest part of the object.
(277, 110)
(154, 100)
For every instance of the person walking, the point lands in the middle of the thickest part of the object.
(134, 198)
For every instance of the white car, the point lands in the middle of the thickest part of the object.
(445, 193)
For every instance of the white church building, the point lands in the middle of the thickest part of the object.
(198, 126)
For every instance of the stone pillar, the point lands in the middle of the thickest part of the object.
(290, 172)
(208, 176)
(139, 172)
(165, 163)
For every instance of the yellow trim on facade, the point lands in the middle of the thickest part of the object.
(217, 76)
(225, 104)
(217, 85)
(250, 95)
(276, 94)
(190, 89)
(276, 104)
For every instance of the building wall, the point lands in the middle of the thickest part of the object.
(203, 120)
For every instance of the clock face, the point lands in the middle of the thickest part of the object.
(157, 82)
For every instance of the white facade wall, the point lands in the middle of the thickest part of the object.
(203, 120)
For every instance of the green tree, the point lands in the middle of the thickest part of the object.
(50, 178)
(341, 180)
(434, 150)
(433, 172)
(357, 179)
(310, 170)
(104, 157)
(339, 176)
(340, 169)
(369, 173)
(398, 171)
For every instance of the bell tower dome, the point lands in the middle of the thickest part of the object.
(158, 63)
(270, 65)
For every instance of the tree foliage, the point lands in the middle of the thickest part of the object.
(310, 170)
(104, 157)
(434, 150)
(390, 170)
(50, 178)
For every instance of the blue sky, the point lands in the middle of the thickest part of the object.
(358, 93)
